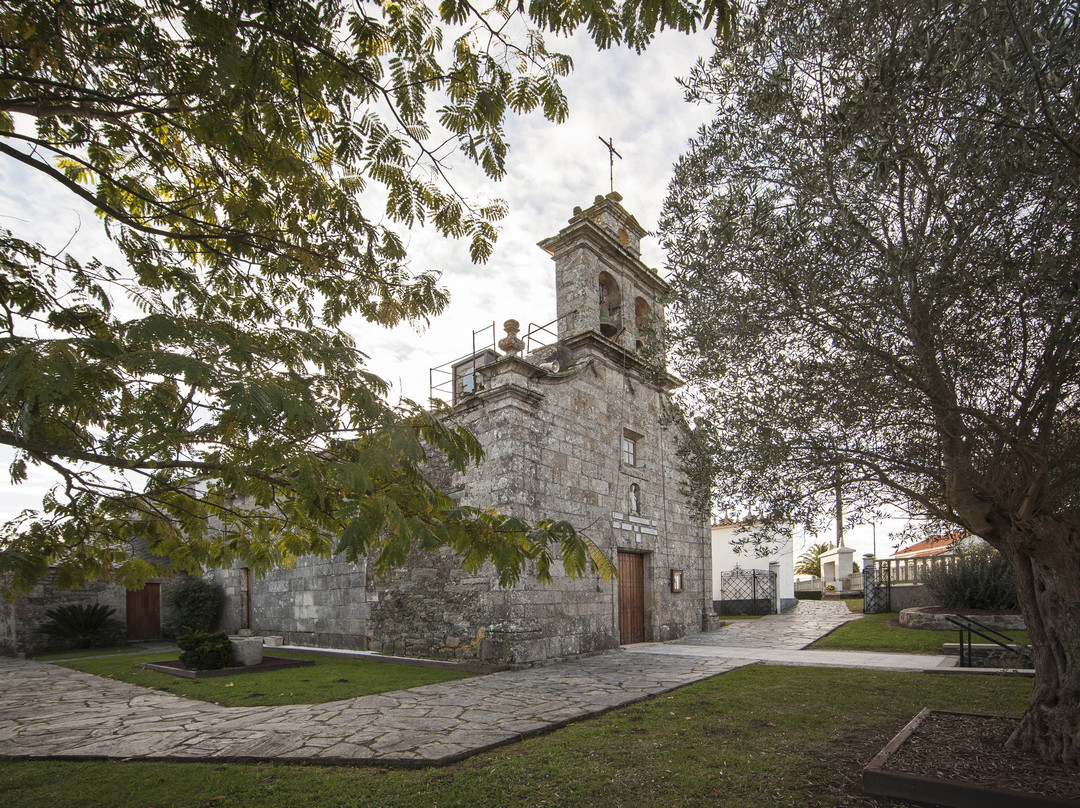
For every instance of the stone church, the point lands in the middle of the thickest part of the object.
(572, 429)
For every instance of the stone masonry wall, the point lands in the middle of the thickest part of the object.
(317, 602)
(20, 620)
(552, 451)
(552, 442)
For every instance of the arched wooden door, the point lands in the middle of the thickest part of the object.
(631, 597)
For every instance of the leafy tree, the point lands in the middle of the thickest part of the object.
(251, 161)
(195, 605)
(875, 247)
(809, 563)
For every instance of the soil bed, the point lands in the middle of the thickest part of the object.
(960, 759)
(173, 667)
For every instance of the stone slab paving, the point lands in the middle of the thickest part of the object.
(781, 639)
(47, 711)
(796, 628)
(54, 712)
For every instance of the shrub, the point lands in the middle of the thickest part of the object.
(978, 578)
(196, 606)
(82, 623)
(814, 594)
(204, 651)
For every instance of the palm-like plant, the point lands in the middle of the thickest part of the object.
(809, 563)
(82, 622)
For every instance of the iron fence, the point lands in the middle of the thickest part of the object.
(877, 588)
(747, 592)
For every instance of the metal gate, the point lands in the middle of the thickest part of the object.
(746, 592)
(877, 588)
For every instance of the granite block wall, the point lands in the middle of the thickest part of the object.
(21, 619)
(553, 439)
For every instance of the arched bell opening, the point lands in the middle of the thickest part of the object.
(610, 306)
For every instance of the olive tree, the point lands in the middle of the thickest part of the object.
(875, 249)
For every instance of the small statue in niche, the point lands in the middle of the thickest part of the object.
(635, 499)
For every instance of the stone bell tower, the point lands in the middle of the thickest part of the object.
(603, 289)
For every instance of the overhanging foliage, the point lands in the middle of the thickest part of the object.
(201, 398)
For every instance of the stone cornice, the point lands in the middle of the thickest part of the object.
(596, 344)
(584, 233)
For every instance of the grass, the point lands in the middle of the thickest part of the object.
(883, 632)
(76, 653)
(331, 678)
(760, 735)
(739, 616)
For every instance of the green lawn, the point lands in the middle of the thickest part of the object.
(883, 632)
(759, 736)
(739, 616)
(329, 679)
(76, 653)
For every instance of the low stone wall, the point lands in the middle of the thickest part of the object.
(908, 596)
(920, 617)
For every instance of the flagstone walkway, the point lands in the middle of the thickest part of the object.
(47, 711)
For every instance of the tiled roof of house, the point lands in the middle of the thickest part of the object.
(935, 545)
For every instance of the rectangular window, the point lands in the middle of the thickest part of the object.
(629, 451)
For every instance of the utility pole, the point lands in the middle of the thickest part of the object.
(839, 511)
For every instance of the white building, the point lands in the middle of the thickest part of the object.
(725, 559)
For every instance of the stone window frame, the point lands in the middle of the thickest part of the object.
(629, 454)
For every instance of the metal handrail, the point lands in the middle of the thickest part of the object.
(973, 626)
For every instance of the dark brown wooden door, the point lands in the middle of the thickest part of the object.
(631, 598)
(144, 613)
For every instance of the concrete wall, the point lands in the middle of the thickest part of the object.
(905, 596)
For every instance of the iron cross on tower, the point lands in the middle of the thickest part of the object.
(612, 154)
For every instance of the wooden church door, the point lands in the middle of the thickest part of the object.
(631, 598)
(144, 613)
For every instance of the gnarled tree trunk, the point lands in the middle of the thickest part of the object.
(1045, 558)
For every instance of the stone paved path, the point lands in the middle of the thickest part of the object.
(49, 711)
(808, 621)
(780, 639)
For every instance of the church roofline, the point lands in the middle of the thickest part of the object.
(583, 228)
(622, 357)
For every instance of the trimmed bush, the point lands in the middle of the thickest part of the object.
(204, 651)
(808, 595)
(82, 623)
(196, 606)
(977, 578)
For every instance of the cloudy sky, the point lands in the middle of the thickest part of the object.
(632, 99)
(635, 101)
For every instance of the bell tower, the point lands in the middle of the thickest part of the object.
(603, 289)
